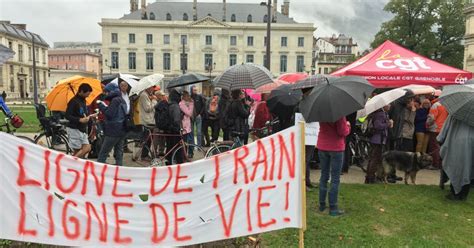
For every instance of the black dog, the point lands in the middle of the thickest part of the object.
(408, 162)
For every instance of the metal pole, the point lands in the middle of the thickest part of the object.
(35, 83)
(269, 21)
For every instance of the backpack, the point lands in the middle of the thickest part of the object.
(162, 116)
(229, 118)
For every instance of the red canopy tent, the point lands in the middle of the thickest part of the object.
(391, 65)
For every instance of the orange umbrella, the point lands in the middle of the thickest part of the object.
(58, 98)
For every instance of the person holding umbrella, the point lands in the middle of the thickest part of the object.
(237, 115)
(76, 114)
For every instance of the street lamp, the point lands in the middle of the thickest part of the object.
(107, 64)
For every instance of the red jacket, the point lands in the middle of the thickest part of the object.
(262, 115)
(332, 136)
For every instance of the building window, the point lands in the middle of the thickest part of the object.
(326, 70)
(152, 16)
(20, 53)
(300, 63)
(184, 39)
(208, 40)
(149, 61)
(166, 39)
(265, 41)
(284, 41)
(44, 78)
(232, 18)
(301, 41)
(11, 69)
(149, 39)
(43, 55)
(184, 61)
(265, 18)
(132, 61)
(10, 45)
(115, 60)
(249, 18)
(31, 54)
(185, 17)
(232, 59)
(37, 54)
(349, 49)
(319, 70)
(114, 38)
(250, 41)
(283, 63)
(250, 58)
(131, 38)
(233, 40)
(168, 16)
(166, 61)
(207, 61)
(264, 60)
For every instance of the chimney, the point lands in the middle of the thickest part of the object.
(285, 8)
(275, 10)
(224, 9)
(19, 26)
(143, 9)
(133, 5)
(195, 16)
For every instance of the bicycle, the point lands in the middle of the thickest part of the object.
(359, 147)
(218, 147)
(53, 134)
(12, 131)
(144, 151)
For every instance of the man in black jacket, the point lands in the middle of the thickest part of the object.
(175, 127)
(238, 114)
(76, 114)
(199, 110)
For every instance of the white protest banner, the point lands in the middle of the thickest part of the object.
(52, 198)
(311, 130)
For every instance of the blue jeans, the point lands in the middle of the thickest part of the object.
(198, 129)
(108, 144)
(331, 164)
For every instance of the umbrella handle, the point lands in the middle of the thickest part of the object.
(72, 89)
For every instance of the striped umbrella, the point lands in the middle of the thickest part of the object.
(459, 101)
(244, 76)
(310, 81)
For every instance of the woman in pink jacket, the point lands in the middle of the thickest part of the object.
(187, 108)
(331, 145)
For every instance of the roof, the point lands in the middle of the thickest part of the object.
(339, 40)
(11, 30)
(178, 9)
(391, 65)
(54, 52)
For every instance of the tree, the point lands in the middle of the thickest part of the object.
(433, 28)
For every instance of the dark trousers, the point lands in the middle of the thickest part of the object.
(375, 162)
(462, 195)
(347, 154)
(214, 125)
(309, 152)
(171, 142)
(434, 150)
(108, 144)
(226, 134)
(406, 145)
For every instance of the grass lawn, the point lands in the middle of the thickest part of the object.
(28, 114)
(400, 215)
(396, 216)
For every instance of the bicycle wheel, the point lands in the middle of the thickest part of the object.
(217, 150)
(141, 155)
(197, 153)
(58, 142)
(25, 138)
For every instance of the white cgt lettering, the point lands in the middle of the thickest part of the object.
(414, 64)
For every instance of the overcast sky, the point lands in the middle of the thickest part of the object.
(76, 20)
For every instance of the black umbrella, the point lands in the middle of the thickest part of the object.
(336, 98)
(310, 82)
(186, 79)
(283, 100)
